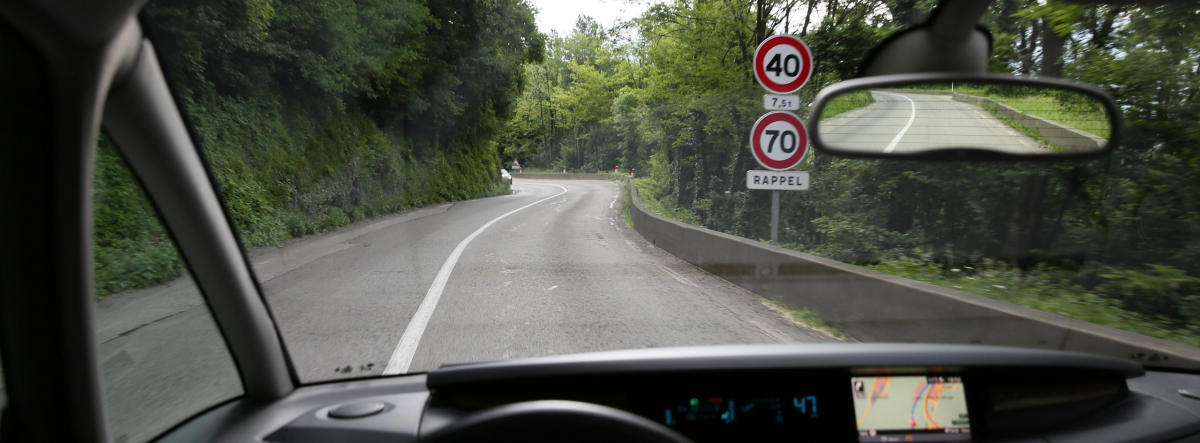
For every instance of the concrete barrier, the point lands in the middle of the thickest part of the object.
(553, 176)
(1066, 137)
(875, 307)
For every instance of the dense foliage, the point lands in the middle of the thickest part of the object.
(317, 113)
(671, 94)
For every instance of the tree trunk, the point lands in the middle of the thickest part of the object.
(807, 17)
(1100, 38)
(1028, 209)
(1052, 51)
(787, 19)
(901, 217)
(1029, 42)
(905, 13)
(1029, 206)
(760, 21)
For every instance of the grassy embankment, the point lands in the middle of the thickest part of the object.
(1046, 290)
(846, 102)
(1072, 110)
(306, 182)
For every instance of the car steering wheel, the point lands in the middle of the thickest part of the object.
(554, 421)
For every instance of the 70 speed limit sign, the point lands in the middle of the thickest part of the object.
(779, 141)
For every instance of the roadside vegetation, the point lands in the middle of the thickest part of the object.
(131, 248)
(1055, 291)
(315, 114)
(806, 318)
(1066, 108)
(846, 102)
(1115, 240)
(992, 108)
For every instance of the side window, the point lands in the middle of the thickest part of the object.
(162, 357)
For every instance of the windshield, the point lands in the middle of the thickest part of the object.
(361, 147)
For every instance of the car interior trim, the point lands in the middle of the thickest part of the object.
(776, 356)
(143, 120)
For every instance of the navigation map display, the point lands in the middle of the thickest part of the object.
(910, 408)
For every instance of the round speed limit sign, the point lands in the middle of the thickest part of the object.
(782, 64)
(779, 141)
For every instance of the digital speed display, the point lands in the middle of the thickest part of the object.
(765, 407)
(754, 410)
(783, 406)
(910, 408)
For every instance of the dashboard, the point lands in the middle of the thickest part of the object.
(863, 405)
(766, 393)
(853, 404)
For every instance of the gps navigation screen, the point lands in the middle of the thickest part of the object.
(910, 408)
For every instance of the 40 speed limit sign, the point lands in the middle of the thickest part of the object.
(779, 141)
(782, 64)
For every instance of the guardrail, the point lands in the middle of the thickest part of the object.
(872, 306)
(553, 176)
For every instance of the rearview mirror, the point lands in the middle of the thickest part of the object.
(963, 117)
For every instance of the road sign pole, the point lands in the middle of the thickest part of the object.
(775, 218)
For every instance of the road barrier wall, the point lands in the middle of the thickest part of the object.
(553, 176)
(872, 306)
(1070, 139)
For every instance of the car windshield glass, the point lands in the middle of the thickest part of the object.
(361, 148)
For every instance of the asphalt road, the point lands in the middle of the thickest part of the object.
(909, 122)
(564, 275)
(561, 274)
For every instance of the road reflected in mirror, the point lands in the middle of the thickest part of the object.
(1011, 119)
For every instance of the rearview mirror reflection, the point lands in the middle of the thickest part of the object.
(1007, 116)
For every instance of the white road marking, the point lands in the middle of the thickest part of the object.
(407, 348)
(911, 116)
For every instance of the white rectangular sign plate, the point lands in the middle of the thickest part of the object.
(781, 102)
(777, 180)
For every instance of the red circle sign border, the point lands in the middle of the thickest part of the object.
(756, 135)
(760, 55)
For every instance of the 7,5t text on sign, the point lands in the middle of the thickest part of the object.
(773, 102)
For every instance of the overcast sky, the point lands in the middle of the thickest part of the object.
(560, 15)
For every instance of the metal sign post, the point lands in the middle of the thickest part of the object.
(779, 141)
(775, 218)
(776, 181)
